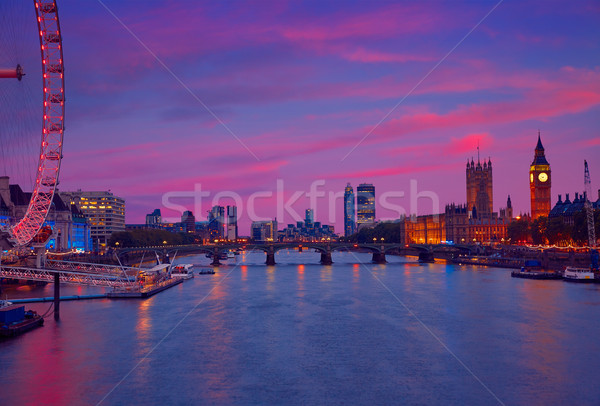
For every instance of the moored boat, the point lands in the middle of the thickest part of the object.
(573, 274)
(184, 271)
(206, 271)
(533, 270)
(14, 320)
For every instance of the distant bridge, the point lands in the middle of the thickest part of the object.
(379, 250)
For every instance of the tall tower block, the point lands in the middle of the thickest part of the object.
(540, 181)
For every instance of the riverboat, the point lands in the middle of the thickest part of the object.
(533, 270)
(573, 274)
(184, 271)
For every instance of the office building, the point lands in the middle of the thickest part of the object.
(104, 211)
(216, 222)
(154, 218)
(232, 227)
(309, 216)
(189, 222)
(365, 199)
(263, 231)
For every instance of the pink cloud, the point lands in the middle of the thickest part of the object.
(364, 55)
(469, 143)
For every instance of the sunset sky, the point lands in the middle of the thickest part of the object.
(301, 83)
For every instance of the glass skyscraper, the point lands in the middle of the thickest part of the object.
(365, 199)
(349, 211)
(309, 216)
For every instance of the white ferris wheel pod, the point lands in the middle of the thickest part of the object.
(53, 121)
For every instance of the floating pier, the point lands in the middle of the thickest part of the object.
(145, 292)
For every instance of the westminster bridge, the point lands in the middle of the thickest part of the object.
(379, 250)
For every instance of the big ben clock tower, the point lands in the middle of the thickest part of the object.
(540, 182)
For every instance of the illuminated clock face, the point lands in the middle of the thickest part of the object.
(531, 177)
(543, 177)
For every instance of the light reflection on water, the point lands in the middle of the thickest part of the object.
(309, 334)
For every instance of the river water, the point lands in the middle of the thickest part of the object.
(300, 333)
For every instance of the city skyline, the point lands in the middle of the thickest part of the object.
(525, 67)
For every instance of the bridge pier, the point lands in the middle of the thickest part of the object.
(215, 258)
(300, 248)
(326, 258)
(379, 258)
(426, 257)
(270, 258)
(56, 296)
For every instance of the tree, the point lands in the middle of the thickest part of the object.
(145, 238)
(537, 229)
(558, 232)
(518, 230)
(390, 232)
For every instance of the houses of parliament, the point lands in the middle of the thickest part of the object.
(475, 221)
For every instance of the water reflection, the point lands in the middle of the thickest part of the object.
(326, 273)
(244, 271)
(540, 336)
(143, 327)
(356, 274)
(270, 277)
(317, 334)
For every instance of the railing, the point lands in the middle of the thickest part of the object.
(128, 273)
(66, 276)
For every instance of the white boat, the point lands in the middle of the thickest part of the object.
(182, 271)
(573, 274)
(230, 255)
(5, 303)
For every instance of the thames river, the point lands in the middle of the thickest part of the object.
(300, 333)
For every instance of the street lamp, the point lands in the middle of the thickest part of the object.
(165, 242)
(374, 240)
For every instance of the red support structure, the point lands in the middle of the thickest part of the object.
(53, 122)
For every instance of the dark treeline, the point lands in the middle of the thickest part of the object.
(145, 238)
(390, 232)
(553, 230)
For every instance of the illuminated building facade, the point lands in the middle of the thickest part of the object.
(365, 199)
(480, 197)
(104, 211)
(262, 231)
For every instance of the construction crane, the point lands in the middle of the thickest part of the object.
(588, 207)
(594, 257)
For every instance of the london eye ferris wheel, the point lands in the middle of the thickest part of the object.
(28, 94)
